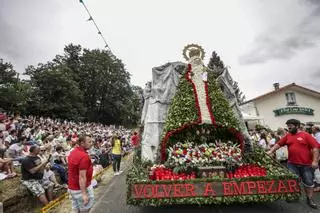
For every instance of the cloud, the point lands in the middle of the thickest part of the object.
(315, 74)
(284, 42)
(269, 47)
(25, 30)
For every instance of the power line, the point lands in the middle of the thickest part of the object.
(95, 24)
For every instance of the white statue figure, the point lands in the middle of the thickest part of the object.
(165, 80)
(146, 98)
(199, 77)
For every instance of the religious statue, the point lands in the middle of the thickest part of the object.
(164, 109)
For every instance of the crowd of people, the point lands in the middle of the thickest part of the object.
(37, 150)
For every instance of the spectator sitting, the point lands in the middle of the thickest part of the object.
(2, 123)
(3, 147)
(32, 170)
(49, 177)
(7, 167)
(59, 162)
(95, 150)
(15, 150)
(59, 156)
(10, 124)
(43, 155)
(11, 138)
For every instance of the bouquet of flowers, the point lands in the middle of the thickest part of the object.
(216, 153)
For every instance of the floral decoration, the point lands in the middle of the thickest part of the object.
(160, 172)
(248, 170)
(191, 154)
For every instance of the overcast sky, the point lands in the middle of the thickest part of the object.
(263, 41)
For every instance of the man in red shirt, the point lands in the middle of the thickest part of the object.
(80, 171)
(135, 140)
(303, 155)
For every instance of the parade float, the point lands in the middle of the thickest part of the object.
(195, 147)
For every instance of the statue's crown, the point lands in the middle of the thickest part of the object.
(193, 50)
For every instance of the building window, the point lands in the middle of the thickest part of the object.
(291, 99)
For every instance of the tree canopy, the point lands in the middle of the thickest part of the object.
(81, 85)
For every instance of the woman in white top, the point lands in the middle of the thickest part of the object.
(273, 140)
(263, 141)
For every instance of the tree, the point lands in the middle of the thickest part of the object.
(13, 92)
(55, 93)
(216, 64)
(134, 105)
(106, 86)
(102, 82)
(7, 73)
(81, 84)
(215, 61)
(71, 59)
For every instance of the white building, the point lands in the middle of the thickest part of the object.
(274, 108)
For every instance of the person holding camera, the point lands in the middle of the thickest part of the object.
(32, 170)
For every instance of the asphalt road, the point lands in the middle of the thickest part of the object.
(112, 199)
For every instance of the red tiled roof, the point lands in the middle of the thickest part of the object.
(282, 89)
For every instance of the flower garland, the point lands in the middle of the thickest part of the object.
(208, 102)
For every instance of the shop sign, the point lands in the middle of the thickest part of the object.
(293, 110)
